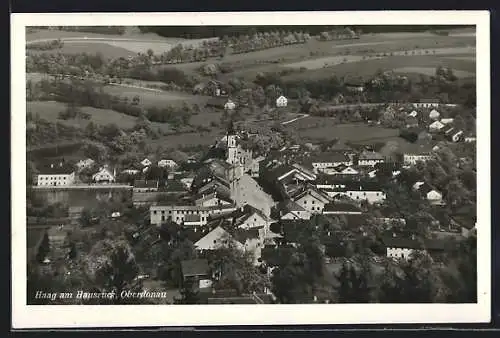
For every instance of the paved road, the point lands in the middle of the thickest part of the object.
(295, 119)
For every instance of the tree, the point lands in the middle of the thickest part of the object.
(112, 267)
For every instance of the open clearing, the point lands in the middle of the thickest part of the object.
(324, 128)
(49, 110)
(366, 68)
(104, 49)
(149, 98)
(430, 71)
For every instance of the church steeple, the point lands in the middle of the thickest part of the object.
(230, 128)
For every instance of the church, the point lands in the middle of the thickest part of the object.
(238, 154)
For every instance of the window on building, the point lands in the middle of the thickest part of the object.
(154, 212)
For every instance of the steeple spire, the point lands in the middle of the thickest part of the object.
(230, 127)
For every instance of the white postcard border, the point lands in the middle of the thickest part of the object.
(73, 316)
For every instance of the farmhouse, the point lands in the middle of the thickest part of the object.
(370, 158)
(403, 247)
(432, 195)
(281, 101)
(436, 126)
(176, 213)
(310, 199)
(434, 114)
(103, 176)
(290, 210)
(329, 160)
(216, 239)
(248, 217)
(56, 175)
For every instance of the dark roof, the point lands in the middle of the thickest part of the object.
(345, 207)
(289, 205)
(56, 169)
(336, 156)
(405, 242)
(145, 184)
(174, 186)
(194, 267)
(241, 235)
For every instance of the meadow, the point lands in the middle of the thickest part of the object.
(324, 128)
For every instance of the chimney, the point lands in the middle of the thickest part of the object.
(393, 234)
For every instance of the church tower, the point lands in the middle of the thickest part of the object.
(232, 147)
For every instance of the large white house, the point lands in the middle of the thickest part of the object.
(56, 175)
(329, 160)
(370, 158)
(281, 101)
(167, 164)
(311, 199)
(176, 213)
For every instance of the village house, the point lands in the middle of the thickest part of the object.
(145, 186)
(357, 191)
(436, 126)
(427, 103)
(370, 158)
(341, 171)
(196, 272)
(281, 101)
(212, 198)
(402, 247)
(146, 162)
(248, 217)
(428, 192)
(329, 160)
(311, 199)
(85, 164)
(434, 114)
(56, 175)
(290, 210)
(215, 239)
(167, 163)
(104, 175)
(160, 214)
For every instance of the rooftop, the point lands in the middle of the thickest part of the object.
(145, 184)
(56, 169)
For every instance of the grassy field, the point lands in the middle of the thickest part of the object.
(369, 67)
(324, 128)
(430, 71)
(49, 110)
(105, 49)
(151, 98)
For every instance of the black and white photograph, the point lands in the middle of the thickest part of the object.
(250, 171)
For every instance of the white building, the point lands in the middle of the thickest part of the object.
(436, 126)
(426, 104)
(311, 199)
(447, 121)
(290, 210)
(370, 159)
(281, 101)
(412, 159)
(167, 164)
(103, 176)
(229, 105)
(329, 160)
(434, 114)
(176, 213)
(56, 175)
(146, 162)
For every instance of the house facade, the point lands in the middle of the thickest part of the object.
(413, 159)
(329, 160)
(436, 126)
(370, 159)
(160, 214)
(104, 175)
(56, 175)
(167, 164)
(281, 101)
(311, 200)
(145, 186)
